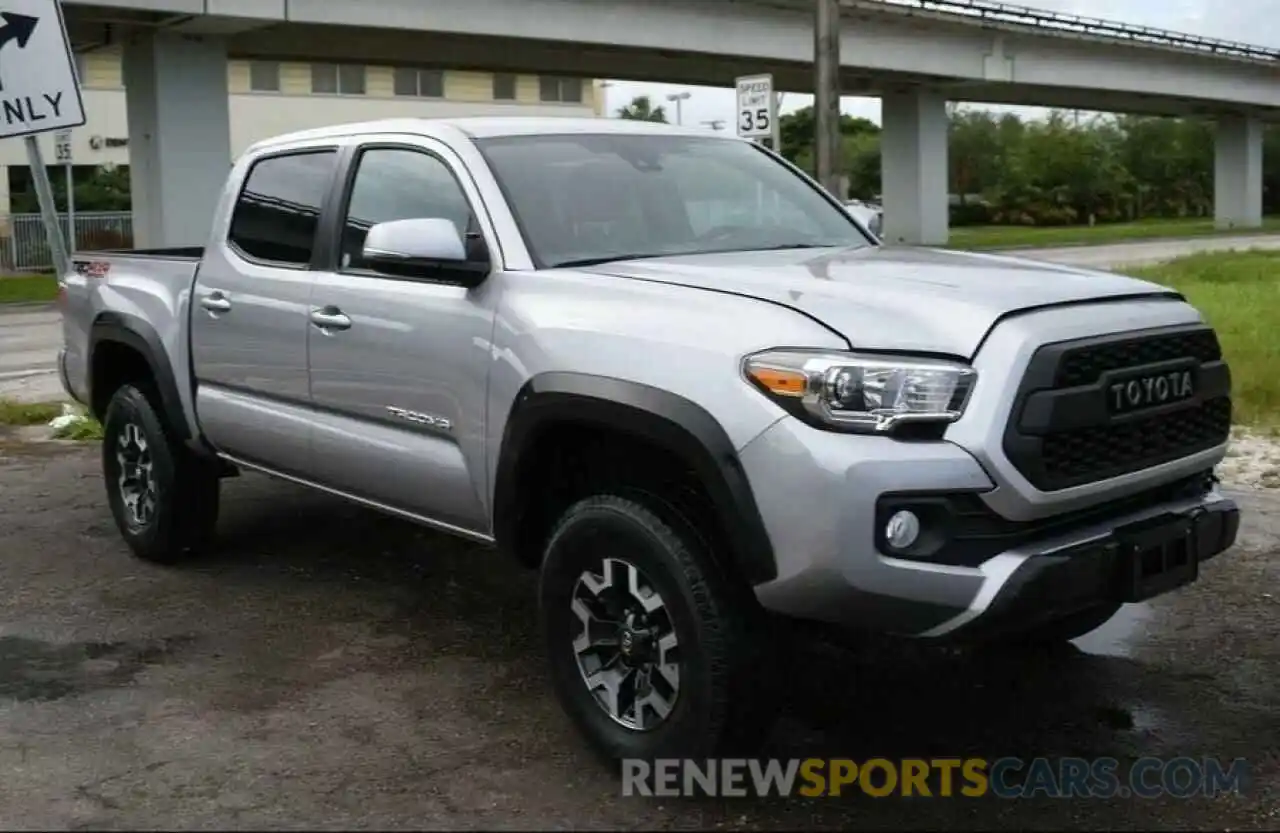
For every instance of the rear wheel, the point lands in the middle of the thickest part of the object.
(652, 654)
(163, 498)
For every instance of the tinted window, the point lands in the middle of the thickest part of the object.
(324, 78)
(426, 83)
(276, 216)
(264, 76)
(504, 87)
(346, 79)
(597, 197)
(396, 184)
(555, 88)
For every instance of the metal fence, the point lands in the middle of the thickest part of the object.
(24, 247)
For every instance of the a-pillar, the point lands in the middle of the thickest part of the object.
(1237, 173)
(913, 166)
(179, 135)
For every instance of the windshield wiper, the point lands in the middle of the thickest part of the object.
(786, 246)
(596, 261)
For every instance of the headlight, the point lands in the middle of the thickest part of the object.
(862, 393)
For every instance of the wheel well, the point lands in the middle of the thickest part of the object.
(569, 460)
(115, 364)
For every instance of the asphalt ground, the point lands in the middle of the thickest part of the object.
(327, 667)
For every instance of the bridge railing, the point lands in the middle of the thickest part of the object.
(1079, 24)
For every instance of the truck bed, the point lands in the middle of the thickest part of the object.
(171, 270)
(173, 253)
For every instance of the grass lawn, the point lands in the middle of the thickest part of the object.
(41, 413)
(999, 237)
(27, 289)
(28, 413)
(1239, 294)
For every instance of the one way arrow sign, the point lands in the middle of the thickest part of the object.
(39, 91)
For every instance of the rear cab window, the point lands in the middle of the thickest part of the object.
(277, 214)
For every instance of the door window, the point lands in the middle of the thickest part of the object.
(278, 211)
(400, 184)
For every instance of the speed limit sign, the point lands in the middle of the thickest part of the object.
(62, 146)
(756, 107)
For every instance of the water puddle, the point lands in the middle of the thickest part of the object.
(1117, 636)
(34, 670)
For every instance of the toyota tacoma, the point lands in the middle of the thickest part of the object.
(668, 371)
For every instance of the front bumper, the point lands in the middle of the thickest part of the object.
(820, 495)
(1130, 559)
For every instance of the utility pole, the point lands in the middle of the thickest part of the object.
(826, 99)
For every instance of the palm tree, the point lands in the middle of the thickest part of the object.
(641, 109)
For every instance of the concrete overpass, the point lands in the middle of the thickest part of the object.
(915, 54)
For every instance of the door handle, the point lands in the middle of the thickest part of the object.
(216, 301)
(330, 318)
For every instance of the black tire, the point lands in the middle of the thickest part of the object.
(1062, 631)
(726, 701)
(185, 488)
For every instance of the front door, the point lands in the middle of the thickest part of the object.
(398, 366)
(249, 317)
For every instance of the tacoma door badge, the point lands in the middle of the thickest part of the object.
(439, 423)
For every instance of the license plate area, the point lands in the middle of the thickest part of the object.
(1156, 556)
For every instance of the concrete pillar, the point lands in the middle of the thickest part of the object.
(1237, 173)
(179, 135)
(5, 198)
(913, 167)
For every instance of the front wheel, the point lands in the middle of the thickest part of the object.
(651, 654)
(163, 498)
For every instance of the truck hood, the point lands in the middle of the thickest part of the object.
(891, 298)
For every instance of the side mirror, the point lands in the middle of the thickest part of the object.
(428, 247)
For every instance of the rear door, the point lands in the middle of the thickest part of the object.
(400, 387)
(249, 321)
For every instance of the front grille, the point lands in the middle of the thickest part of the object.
(1061, 433)
(1085, 365)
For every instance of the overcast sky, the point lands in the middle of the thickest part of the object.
(1248, 21)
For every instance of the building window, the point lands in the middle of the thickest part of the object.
(337, 79)
(555, 88)
(264, 76)
(504, 86)
(421, 83)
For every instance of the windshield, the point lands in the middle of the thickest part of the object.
(591, 198)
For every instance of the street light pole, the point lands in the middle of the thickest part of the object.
(826, 77)
(679, 99)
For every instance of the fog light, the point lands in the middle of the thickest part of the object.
(902, 530)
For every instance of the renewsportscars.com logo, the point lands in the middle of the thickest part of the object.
(1183, 777)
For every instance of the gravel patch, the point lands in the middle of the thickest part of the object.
(1252, 461)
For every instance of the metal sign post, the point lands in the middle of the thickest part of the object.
(62, 143)
(40, 93)
(48, 207)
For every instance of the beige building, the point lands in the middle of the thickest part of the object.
(273, 97)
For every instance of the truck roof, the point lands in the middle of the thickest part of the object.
(489, 126)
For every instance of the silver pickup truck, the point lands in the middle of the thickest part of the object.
(668, 371)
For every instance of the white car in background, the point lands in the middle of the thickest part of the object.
(870, 215)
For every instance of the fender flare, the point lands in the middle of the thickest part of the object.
(658, 416)
(135, 333)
